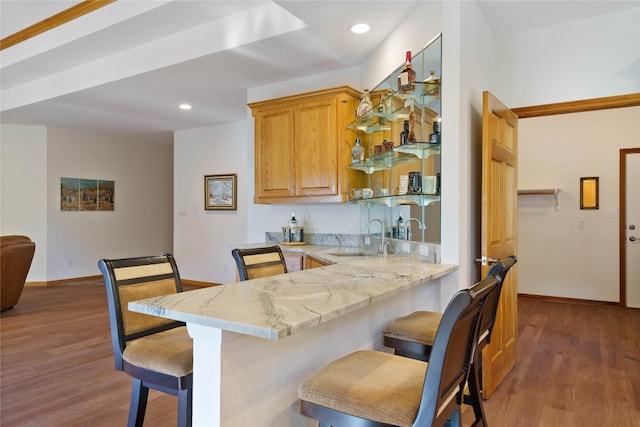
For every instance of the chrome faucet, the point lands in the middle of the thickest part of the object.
(420, 227)
(383, 248)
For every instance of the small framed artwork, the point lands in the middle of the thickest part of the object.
(589, 193)
(220, 192)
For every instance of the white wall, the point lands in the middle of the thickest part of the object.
(203, 239)
(587, 58)
(141, 222)
(23, 184)
(557, 257)
(471, 64)
(69, 244)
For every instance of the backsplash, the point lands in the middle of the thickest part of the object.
(416, 249)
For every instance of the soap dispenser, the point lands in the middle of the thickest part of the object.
(293, 222)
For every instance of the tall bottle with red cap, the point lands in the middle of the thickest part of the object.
(407, 77)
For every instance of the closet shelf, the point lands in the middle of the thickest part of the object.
(544, 191)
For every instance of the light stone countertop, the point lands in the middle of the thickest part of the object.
(278, 306)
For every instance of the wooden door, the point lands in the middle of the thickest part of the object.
(316, 151)
(499, 232)
(274, 153)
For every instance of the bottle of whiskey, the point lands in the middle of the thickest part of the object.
(357, 152)
(364, 106)
(404, 135)
(434, 137)
(432, 84)
(407, 77)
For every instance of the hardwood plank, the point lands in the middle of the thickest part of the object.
(57, 363)
(578, 365)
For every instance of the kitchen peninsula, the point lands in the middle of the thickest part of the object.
(255, 341)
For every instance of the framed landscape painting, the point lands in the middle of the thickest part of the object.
(220, 192)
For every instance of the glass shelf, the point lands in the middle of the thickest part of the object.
(422, 150)
(385, 161)
(375, 163)
(401, 199)
(377, 121)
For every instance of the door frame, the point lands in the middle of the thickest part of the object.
(605, 103)
(623, 222)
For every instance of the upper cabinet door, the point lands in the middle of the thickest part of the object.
(316, 151)
(303, 145)
(274, 153)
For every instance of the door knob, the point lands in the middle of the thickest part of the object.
(633, 238)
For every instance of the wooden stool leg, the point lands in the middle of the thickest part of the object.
(138, 405)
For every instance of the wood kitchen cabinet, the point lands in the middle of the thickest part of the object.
(303, 147)
(313, 262)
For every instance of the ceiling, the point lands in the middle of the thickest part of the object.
(123, 69)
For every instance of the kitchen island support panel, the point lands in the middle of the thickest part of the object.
(241, 380)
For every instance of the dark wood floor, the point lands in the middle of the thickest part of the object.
(578, 365)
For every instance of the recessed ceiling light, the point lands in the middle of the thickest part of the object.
(359, 28)
(185, 106)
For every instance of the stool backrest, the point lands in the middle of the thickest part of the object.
(491, 310)
(132, 279)
(452, 353)
(259, 262)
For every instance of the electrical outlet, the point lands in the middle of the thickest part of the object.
(406, 247)
(69, 262)
(424, 250)
(367, 240)
(581, 224)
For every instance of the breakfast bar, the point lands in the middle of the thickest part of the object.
(255, 341)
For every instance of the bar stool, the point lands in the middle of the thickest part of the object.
(413, 336)
(156, 352)
(254, 263)
(368, 388)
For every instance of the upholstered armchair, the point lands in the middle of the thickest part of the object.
(16, 254)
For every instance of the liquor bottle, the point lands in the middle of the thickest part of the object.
(434, 137)
(293, 222)
(404, 135)
(412, 122)
(401, 228)
(432, 84)
(407, 77)
(364, 106)
(357, 152)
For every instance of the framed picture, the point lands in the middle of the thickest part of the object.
(220, 192)
(589, 192)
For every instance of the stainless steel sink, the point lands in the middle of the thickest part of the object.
(352, 253)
